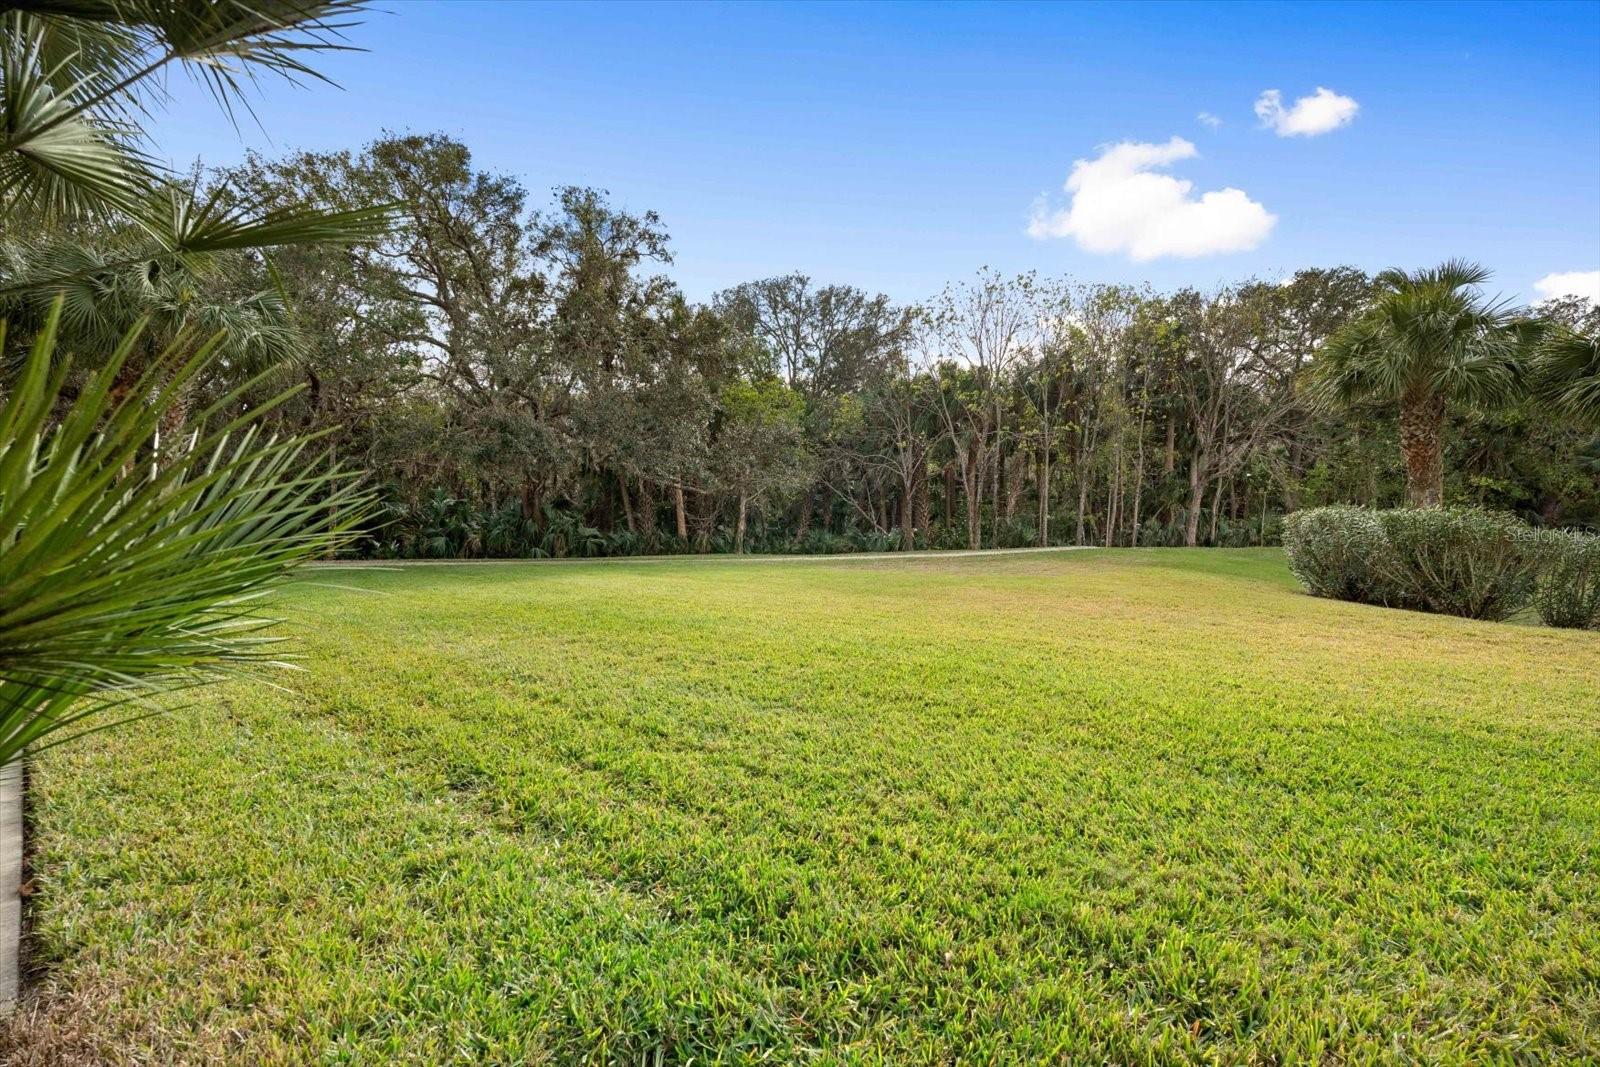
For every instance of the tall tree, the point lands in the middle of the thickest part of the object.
(1237, 397)
(978, 333)
(828, 343)
(759, 452)
(1427, 340)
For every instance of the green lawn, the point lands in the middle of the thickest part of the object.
(1121, 807)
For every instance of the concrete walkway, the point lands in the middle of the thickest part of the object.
(10, 884)
(719, 557)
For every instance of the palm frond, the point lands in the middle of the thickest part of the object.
(225, 44)
(84, 54)
(180, 230)
(56, 159)
(1566, 374)
(1454, 274)
(73, 72)
(184, 223)
(1430, 330)
(132, 567)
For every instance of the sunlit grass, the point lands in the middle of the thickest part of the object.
(1112, 807)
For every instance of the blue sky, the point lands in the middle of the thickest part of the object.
(900, 146)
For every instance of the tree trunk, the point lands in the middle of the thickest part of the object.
(530, 502)
(1114, 499)
(1044, 496)
(627, 502)
(949, 495)
(172, 423)
(972, 490)
(1197, 495)
(996, 468)
(647, 507)
(1291, 486)
(738, 530)
(1083, 506)
(974, 514)
(973, 475)
(704, 523)
(677, 511)
(1422, 443)
(1216, 508)
(908, 526)
(1002, 487)
(1138, 492)
(923, 518)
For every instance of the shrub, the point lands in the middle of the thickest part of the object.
(1338, 552)
(1568, 590)
(1458, 561)
(1451, 561)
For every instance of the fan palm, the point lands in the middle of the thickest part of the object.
(124, 578)
(1566, 373)
(75, 77)
(133, 565)
(1427, 340)
(102, 299)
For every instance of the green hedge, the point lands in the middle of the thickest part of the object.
(1451, 561)
(1338, 552)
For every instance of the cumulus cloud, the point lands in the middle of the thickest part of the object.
(1322, 112)
(1120, 204)
(1584, 283)
(1206, 118)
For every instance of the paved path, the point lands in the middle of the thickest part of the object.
(720, 557)
(10, 883)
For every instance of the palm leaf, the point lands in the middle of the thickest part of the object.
(185, 224)
(132, 567)
(55, 157)
(181, 228)
(1428, 330)
(224, 44)
(70, 71)
(1566, 374)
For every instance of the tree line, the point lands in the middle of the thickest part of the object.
(524, 379)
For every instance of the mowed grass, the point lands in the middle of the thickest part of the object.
(1110, 807)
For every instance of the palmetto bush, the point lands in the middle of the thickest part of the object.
(1451, 561)
(509, 532)
(134, 566)
(566, 534)
(131, 565)
(1568, 590)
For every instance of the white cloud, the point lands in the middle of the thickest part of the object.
(1322, 112)
(1120, 205)
(1584, 283)
(1206, 118)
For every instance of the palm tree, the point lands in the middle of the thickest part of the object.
(102, 299)
(76, 78)
(1428, 340)
(133, 564)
